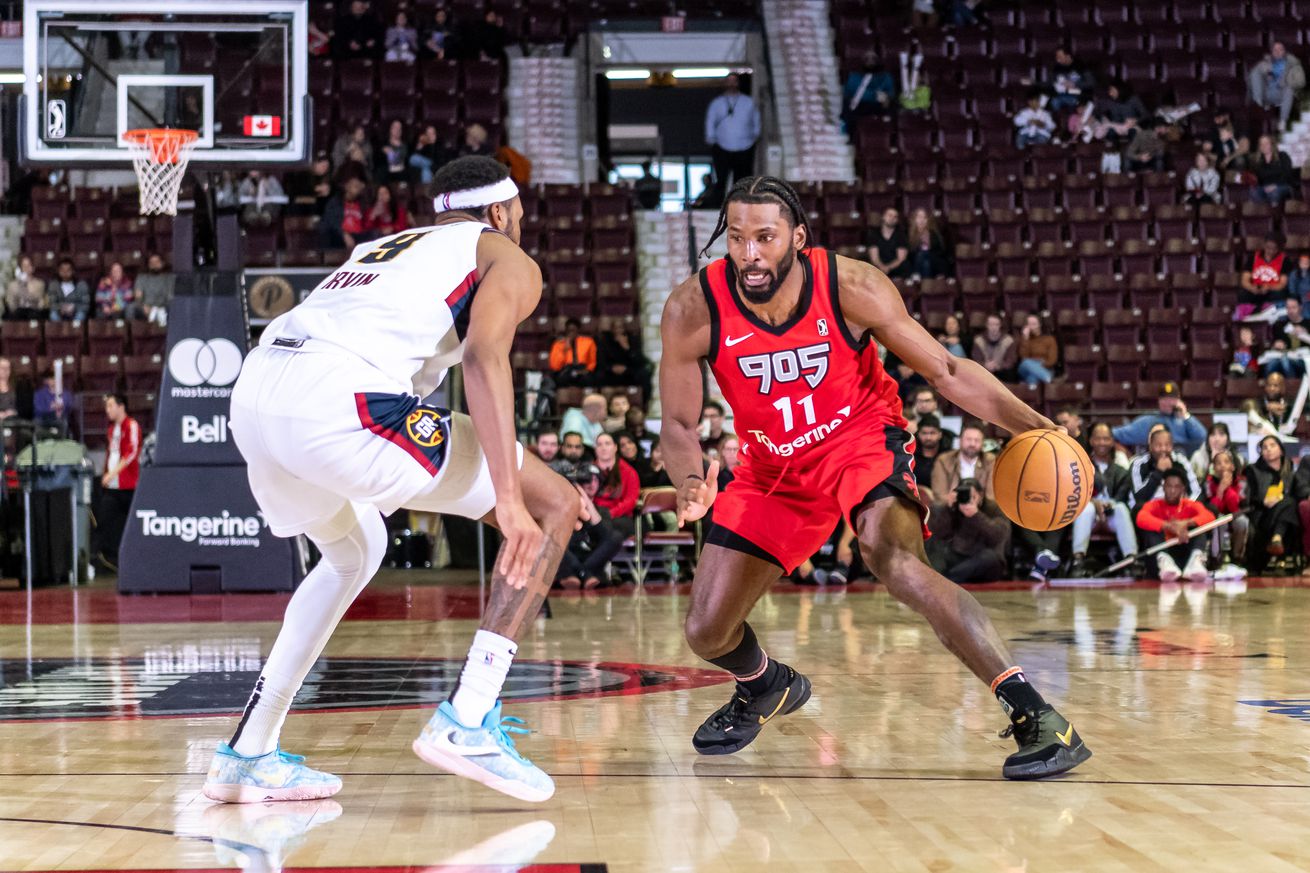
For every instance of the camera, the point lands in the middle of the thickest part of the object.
(585, 472)
(963, 494)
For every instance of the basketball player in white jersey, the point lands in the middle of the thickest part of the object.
(328, 414)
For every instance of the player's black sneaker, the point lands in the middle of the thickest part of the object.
(742, 718)
(1048, 746)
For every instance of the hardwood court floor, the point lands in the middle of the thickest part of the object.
(1196, 703)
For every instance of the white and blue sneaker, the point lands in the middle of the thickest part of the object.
(484, 754)
(277, 775)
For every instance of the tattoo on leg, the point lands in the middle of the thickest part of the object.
(511, 609)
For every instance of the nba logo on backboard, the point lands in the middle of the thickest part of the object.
(823, 327)
(56, 119)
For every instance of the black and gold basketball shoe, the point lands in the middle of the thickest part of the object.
(1048, 745)
(741, 719)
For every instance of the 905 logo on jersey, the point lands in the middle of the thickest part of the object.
(810, 362)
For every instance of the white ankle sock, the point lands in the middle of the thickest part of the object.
(483, 675)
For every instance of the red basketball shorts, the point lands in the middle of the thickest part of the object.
(785, 514)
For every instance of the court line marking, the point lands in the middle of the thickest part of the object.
(725, 775)
(243, 848)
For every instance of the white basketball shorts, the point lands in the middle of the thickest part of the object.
(320, 429)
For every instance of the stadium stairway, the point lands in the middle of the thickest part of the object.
(808, 91)
(543, 117)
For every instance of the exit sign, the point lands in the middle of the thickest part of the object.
(673, 24)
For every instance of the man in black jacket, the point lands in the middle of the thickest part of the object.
(1108, 506)
(1146, 472)
(969, 539)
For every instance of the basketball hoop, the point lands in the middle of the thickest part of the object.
(160, 156)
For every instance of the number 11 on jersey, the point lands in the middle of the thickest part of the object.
(784, 405)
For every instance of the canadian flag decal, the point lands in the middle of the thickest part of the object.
(262, 125)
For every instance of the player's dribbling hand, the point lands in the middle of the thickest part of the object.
(696, 496)
(523, 539)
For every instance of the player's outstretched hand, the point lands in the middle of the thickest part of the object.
(523, 539)
(696, 496)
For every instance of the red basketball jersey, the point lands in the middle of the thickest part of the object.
(800, 386)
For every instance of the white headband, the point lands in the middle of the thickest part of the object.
(475, 198)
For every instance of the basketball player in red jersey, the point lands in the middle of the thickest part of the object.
(789, 330)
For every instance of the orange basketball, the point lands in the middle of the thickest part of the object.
(1043, 479)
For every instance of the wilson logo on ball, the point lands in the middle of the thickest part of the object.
(1073, 504)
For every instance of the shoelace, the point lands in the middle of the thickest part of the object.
(732, 713)
(510, 725)
(288, 758)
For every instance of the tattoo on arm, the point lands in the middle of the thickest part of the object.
(511, 609)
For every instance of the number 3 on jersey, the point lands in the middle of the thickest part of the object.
(392, 248)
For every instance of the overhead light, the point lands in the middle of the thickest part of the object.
(627, 74)
(12, 78)
(701, 72)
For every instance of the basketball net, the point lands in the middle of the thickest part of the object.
(160, 157)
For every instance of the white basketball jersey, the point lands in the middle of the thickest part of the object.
(401, 303)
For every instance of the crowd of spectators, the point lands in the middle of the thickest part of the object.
(66, 297)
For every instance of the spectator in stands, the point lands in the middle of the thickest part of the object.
(1264, 281)
(1146, 150)
(996, 350)
(648, 189)
(1186, 431)
(438, 39)
(356, 136)
(1038, 353)
(1104, 452)
(630, 451)
(1270, 414)
(920, 402)
(1301, 493)
(1270, 505)
(969, 461)
(1202, 183)
(393, 155)
(1119, 110)
(118, 484)
(1217, 441)
(1291, 342)
(1225, 493)
(8, 396)
(952, 336)
(969, 536)
(475, 141)
(595, 543)
(1069, 419)
(927, 248)
(26, 295)
(1246, 353)
(358, 33)
(547, 446)
(927, 448)
(115, 295)
(70, 296)
(658, 476)
(401, 40)
(728, 454)
(309, 190)
(428, 154)
(1067, 81)
(344, 224)
(618, 413)
(387, 215)
(573, 357)
(708, 193)
(1146, 471)
(711, 425)
(891, 245)
(1298, 280)
(1108, 506)
(620, 361)
(1168, 518)
(586, 420)
(635, 424)
(52, 407)
(1033, 122)
(261, 198)
(485, 40)
(732, 127)
(619, 485)
(1275, 81)
(572, 449)
(154, 289)
(923, 14)
(872, 91)
(1223, 145)
(1275, 177)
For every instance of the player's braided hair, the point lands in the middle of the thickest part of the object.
(470, 171)
(762, 189)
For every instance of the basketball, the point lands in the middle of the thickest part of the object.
(1043, 479)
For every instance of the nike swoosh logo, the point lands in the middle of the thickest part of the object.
(1066, 736)
(443, 741)
(733, 340)
(786, 691)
